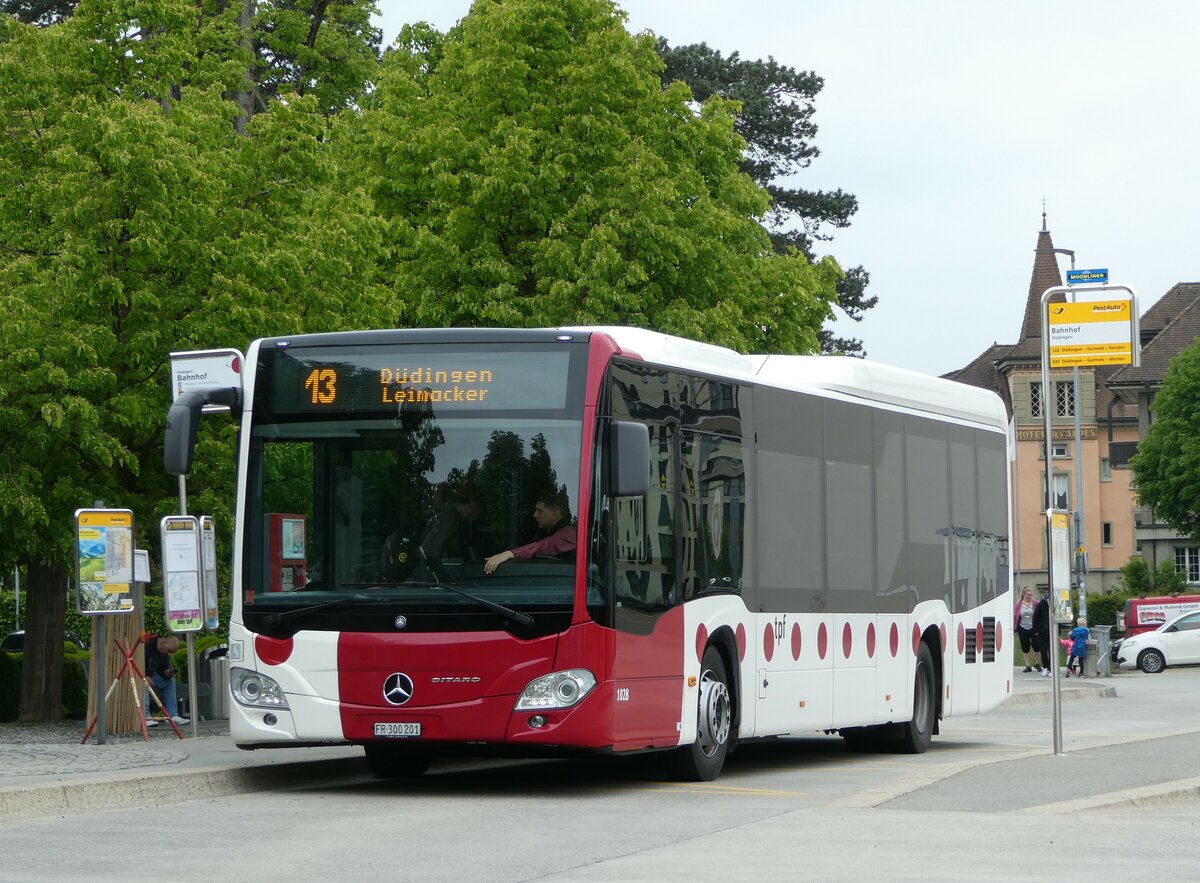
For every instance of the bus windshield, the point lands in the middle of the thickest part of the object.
(382, 479)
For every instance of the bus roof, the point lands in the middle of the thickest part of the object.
(848, 376)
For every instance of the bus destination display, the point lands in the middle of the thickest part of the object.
(309, 381)
(400, 385)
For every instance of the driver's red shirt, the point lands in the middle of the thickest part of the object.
(558, 543)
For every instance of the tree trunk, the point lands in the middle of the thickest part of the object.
(245, 98)
(45, 622)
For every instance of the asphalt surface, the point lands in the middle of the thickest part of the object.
(46, 771)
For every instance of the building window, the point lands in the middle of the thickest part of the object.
(1105, 469)
(1035, 399)
(1064, 398)
(1106, 534)
(1060, 490)
(1187, 562)
(1060, 451)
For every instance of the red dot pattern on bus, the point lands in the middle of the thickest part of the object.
(796, 640)
(894, 640)
(740, 637)
(871, 640)
(999, 637)
(847, 640)
(822, 641)
(943, 630)
(962, 638)
(978, 638)
(701, 642)
(916, 639)
(768, 641)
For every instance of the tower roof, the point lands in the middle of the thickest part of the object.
(1045, 275)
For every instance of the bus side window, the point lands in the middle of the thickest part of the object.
(643, 535)
(713, 514)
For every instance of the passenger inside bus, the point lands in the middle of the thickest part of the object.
(553, 517)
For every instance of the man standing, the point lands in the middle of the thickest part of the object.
(1041, 632)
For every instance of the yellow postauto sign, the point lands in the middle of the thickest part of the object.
(1083, 335)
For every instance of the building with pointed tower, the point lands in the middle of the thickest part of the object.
(1107, 424)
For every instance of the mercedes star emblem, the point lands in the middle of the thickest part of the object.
(398, 688)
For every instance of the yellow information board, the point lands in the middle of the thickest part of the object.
(104, 560)
(1090, 333)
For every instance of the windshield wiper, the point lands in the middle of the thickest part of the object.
(276, 618)
(507, 612)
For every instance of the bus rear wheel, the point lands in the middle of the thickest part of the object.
(919, 730)
(396, 762)
(702, 760)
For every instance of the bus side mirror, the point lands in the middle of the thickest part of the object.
(184, 419)
(180, 442)
(629, 444)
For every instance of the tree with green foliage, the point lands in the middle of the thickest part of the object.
(134, 221)
(1166, 469)
(38, 12)
(326, 48)
(535, 172)
(775, 116)
(1139, 579)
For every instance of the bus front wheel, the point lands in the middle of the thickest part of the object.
(919, 730)
(702, 760)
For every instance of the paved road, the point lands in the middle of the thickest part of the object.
(1121, 802)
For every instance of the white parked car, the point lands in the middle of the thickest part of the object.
(1175, 642)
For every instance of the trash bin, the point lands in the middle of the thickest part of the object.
(1102, 653)
(216, 663)
(1090, 661)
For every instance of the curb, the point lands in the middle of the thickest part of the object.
(1131, 798)
(1073, 693)
(38, 801)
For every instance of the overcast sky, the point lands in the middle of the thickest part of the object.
(951, 121)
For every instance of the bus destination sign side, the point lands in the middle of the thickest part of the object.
(1090, 333)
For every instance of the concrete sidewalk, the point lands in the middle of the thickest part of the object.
(45, 771)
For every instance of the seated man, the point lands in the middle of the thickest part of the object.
(160, 673)
(553, 516)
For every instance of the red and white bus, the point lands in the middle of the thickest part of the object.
(763, 546)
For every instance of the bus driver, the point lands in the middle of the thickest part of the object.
(553, 516)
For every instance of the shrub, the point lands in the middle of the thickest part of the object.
(74, 687)
(1103, 609)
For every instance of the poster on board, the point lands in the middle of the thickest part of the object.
(104, 560)
(181, 573)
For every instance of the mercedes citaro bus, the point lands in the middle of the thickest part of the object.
(756, 546)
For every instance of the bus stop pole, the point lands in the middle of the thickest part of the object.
(191, 648)
(1052, 637)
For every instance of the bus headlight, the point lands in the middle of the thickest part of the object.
(562, 689)
(252, 689)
